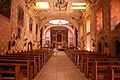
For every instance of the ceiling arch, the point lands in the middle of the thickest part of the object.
(45, 30)
(72, 21)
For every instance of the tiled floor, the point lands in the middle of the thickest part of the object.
(60, 67)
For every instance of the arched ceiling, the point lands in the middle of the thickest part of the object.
(72, 21)
(58, 9)
(45, 30)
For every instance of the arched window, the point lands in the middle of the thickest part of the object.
(88, 43)
(30, 46)
(99, 20)
(20, 15)
(88, 24)
(30, 24)
(81, 30)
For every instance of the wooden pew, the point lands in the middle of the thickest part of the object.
(34, 60)
(79, 57)
(6, 64)
(90, 61)
(100, 68)
(113, 72)
(44, 55)
(37, 57)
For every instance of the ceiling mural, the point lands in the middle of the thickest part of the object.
(60, 5)
(71, 10)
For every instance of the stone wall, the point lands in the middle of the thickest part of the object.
(9, 30)
(5, 34)
(106, 36)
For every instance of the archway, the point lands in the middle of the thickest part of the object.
(30, 46)
(117, 48)
(72, 21)
(100, 48)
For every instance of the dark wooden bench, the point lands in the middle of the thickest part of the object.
(106, 70)
(8, 66)
(90, 61)
(85, 60)
(37, 59)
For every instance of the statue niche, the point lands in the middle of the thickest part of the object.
(59, 38)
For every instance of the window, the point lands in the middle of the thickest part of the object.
(88, 24)
(88, 42)
(30, 24)
(99, 20)
(20, 15)
(81, 30)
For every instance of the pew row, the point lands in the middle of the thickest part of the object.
(14, 63)
(103, 71)
(85, 61)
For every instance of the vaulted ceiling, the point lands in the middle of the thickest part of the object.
(54, 9)
(58, 9)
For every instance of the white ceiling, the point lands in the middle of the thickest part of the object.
(52, 11)
(68, 14)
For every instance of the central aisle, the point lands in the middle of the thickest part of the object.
(60, 67)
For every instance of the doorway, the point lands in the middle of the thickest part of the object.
(100, 48)
(117, 48)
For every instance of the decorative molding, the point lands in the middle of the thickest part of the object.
(91, 1)
(77, 19)
(60, 5)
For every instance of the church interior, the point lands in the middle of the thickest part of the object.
(86, 34)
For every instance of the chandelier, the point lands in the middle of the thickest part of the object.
(61, 5)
